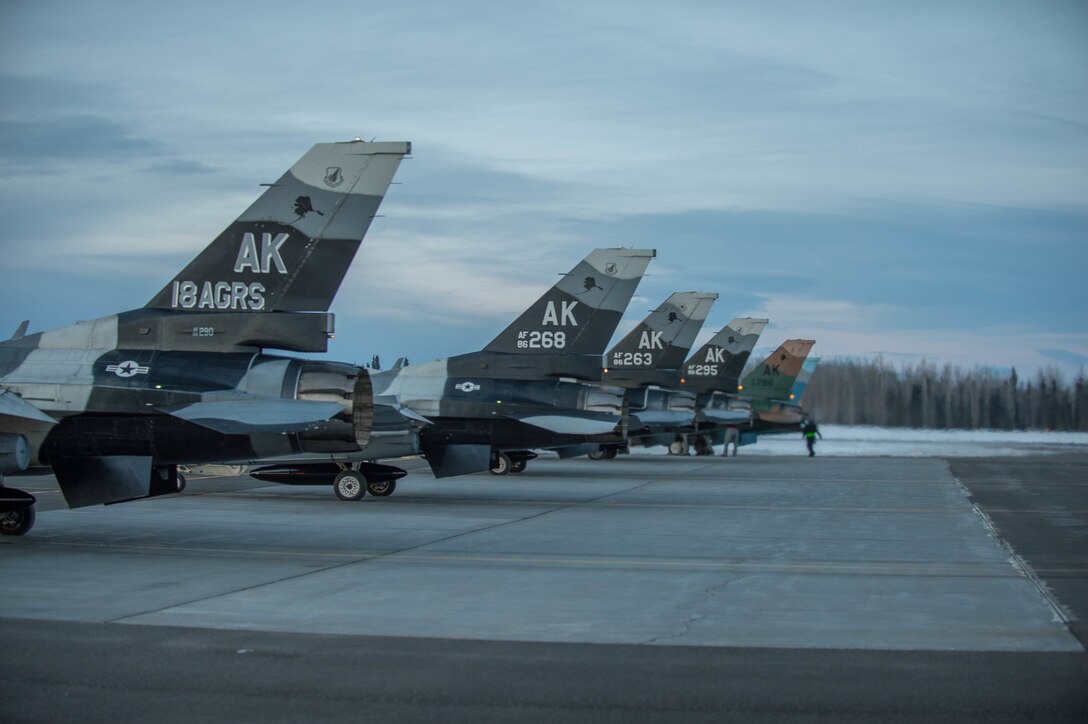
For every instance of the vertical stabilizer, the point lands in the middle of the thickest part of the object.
(774, 377)
(290, 250)
(580, 313)
(653, 352)
(801, 383)
(718, 364)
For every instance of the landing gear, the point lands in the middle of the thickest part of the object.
(381, 488)
(519, 460)
(17, 522)
(349, 485)
(605, 453)
(679, 446)
(16, 511)
(349, 481)
(703, 446)
(500, 463)
(181, 482)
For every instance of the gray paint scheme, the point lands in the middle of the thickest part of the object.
(528, 387)
(115, 403)
(717, 365)
(654, 351)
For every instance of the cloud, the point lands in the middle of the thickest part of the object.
(181, 167)
(1065, 356)
(42, 147)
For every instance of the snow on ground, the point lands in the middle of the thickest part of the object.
(849, 440)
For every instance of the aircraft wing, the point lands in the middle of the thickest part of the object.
(392, 401)
(586, 423)
(15, 407)
(247, 415)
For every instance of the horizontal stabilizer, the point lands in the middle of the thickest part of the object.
(11, 405)
(112, 479)
(247, 415)
(587, 423)
(575, 451)
(661, 418)
(726, 417)
(447, 461)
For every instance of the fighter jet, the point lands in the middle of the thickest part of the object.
(114, 405)
(536, 385)
(797, 392)
(713, 374)
(647, 364)
(769, 387)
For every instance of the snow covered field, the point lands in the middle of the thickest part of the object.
(846, 440)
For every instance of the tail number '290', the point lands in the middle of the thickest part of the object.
(542, 340)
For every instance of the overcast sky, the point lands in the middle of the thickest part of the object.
(905, 178)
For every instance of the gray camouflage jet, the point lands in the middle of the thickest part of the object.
(647, 363)
(713, 374)
(114, 405)
(768, 392)
(536, 385)
(769, 387)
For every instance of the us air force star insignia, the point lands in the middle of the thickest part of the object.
(334, 176)
(467, 387)
(128, 368)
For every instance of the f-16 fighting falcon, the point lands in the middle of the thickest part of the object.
(647, 364)
(115, 404)
(769, 387)
(530, 387)
(713, 374)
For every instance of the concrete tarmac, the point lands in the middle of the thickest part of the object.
(775, 589)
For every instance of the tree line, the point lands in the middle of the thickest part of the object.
(873, 392)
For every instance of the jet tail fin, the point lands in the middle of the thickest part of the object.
(801, 383)
(291, 249)
(654, 351)
(718, 364)
(20, 331)
(773, 378)
(580, 313)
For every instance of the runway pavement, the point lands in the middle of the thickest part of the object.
(772, 588)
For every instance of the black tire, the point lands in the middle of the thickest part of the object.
(519, 466)
(349, 485)
(677, 447)
(500, 464)
(181, 482)
(382, 488)
(17, 522)
(597, 455)
(610, 453)
(703, 446)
